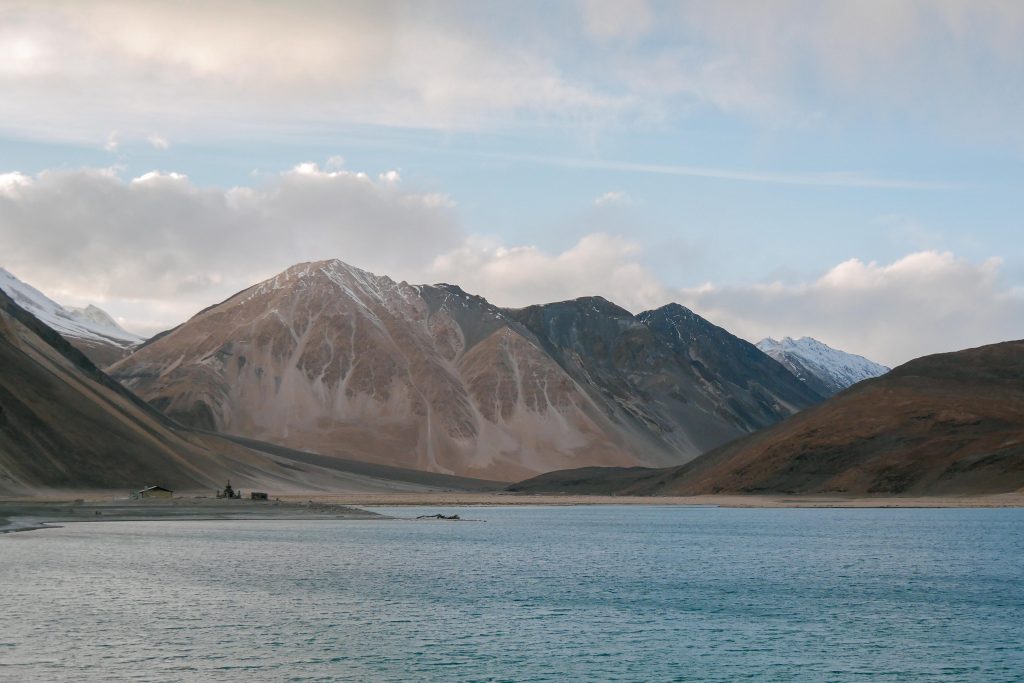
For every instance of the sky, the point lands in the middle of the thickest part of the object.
(851, 171)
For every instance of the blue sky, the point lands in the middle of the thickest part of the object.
(784, 168)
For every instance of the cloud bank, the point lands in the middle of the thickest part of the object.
(157, 248)
(162, 245)
(926, 302)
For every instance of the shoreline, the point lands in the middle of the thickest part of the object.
(16, 524)
(1002, 500)
(29, 514)
(49, 513)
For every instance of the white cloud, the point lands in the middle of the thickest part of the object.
(613, 198)
(158, 141)
(925, 302)
(157, 248)
(113, 141)
(10, 182)
(155, 177)
(598, 264)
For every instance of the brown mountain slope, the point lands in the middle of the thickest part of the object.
(332, 359)
(65, 425)
(950, 423)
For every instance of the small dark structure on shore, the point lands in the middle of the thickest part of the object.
(229, 492)
(153, 492)
(258, 495)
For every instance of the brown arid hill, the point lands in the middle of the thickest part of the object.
(64, 425)
(332, 359)
(947, 424)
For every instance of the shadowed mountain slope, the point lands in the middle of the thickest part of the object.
(65, 425)
(667, 375)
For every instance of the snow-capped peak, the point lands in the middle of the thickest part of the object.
(89, 323)
(825, 369)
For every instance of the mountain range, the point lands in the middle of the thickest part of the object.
(90, 329)
(327, 377)
(950, 423)
(65, 425)
(332, 359)
(824, 369)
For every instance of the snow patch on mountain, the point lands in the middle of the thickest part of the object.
(88, 324)
(821, 367)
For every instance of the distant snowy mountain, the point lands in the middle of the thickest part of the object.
(90, 329)
(824, 369)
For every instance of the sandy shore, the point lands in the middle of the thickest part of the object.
(38, 513)
(29, 514)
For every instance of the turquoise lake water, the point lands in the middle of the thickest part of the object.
(530, 594)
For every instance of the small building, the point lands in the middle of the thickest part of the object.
(154, 492)
(258, 495)
(229, 492)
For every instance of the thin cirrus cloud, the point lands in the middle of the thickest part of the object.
(78, 69)
(156, 248)
(852, 179)
(613, 198)
(616, 19)
(242, 67)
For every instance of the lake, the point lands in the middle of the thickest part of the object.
(611, 593)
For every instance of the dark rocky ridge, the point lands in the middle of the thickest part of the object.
(668, 372)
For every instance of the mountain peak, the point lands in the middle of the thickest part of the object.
(681, 319)
(451, 293)
(582, 304)
(326, 267)
(673, 307)
(600, 303)
(312, 275)
(820, 366)
(91, 329)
